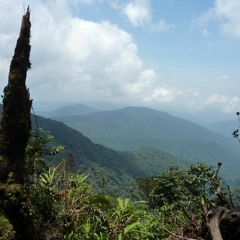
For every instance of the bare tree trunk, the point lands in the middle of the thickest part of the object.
(14, 134)
(222, 222)
(15, 123)
(214, 224)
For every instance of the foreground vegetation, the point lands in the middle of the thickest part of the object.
(63, 206)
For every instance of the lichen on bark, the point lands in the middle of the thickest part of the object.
(15, 123)
(15, 130)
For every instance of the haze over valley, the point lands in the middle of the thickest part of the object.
(141, 80)
(150, 133)
(120, 119)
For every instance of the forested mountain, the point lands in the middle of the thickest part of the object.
(76, 109)
(40, 201)
(225, 127)
(121, 168)
(136, 127)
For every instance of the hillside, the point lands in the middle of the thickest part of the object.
(132, 128)
(76, 109)
(225, 127)
(120, 168)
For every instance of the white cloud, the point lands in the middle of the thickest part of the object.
(217, 99)
(162, 26)
(144, 83)
(138, 12)
(191, 100)
(164, 94)
(78, 60)
(226, 103)
(229, 13)
(187, 99)
(87, 59)
(226, 13)
(74, 59)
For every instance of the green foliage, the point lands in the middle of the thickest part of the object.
(40, 146)
(180, 195)
(40, 180)
(73, 211)
(63, 202)
(44, 197)
(6, 228)
(132, 220)
(120, 168)
(176, 186)
(236, 197)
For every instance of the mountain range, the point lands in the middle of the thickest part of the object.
(226, 128)
(156, 133)
(134, 142)
(121, 168)
(132, 128)
(69, 110)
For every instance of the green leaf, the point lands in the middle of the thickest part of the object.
(120, 236)
(129, 228)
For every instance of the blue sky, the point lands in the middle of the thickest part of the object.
(174, 54)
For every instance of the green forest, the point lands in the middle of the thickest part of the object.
(53, 188)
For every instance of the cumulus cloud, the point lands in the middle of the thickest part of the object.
(187, 99)
(226, 13)
(139, 14)
(76, 60)
(72, 58)
(144, 83)
(226, 103)
(88, 58)
(229, 14)
(217, 99)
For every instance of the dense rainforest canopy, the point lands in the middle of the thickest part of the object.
(39, 201)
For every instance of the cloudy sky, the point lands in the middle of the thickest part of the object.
(183, 54)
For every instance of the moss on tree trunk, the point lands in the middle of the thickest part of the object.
(16, 123)
(14, 134)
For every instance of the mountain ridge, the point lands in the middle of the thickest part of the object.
(120, 168)
(131, 128)
(74, 109)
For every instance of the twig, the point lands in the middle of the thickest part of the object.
(176, 236)
(230, 196)
(223, 201)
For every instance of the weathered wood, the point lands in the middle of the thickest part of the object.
(214, 223)
(15, 130)
(16, 124)
(222, 222)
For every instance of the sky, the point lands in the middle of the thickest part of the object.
(183, 55)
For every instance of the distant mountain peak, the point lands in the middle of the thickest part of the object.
(69, 110)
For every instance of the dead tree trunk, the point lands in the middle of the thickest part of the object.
(15, 123)
(223, 222)
(14, 133)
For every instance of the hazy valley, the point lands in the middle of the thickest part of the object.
(133, 142)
